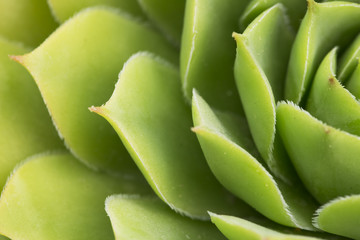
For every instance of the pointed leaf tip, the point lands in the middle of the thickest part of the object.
(19, 58)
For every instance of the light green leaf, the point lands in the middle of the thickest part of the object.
(149, 113)
(330, 102)
(25, 124)
(168, 16)
(340, 216)
(133, 217)
(296, 10)
(236, 228)
(64, 9)
(326, 159)
(324, 26)
(349, 60)
(244, 176)
(53, 196)
(207, 51)
(27, 21)
(77, 66)
(260, 79)
(353, 85)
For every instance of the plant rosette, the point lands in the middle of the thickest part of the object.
(180, 119)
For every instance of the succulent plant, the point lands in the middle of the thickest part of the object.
(179, 119)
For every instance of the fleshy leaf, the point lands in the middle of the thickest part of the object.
(207, 51)
(260, 79)
(340, 216)
(330, 102)
(77, 67)
(324, 26)
(349, 60)
(149, 113)
(353, 85)
(53, 196)
(326, 159)
(244, 176)
(296, 10)
(27, 21)
(64, 9)
(236, 228)
(168, 16)
(25, 124)
(133, 217)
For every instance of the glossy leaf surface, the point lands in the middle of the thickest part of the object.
(77, 66)
(260, 80)
(330, 102)
(25, 125)
(149, 113)
(133, 217)
(168, 16)
(207, 51)
(27, 21)
(326, 159)
(324, 26)
(64, 9)
(53, 196)
(340, 216)
(244, 176)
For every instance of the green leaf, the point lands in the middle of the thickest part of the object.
(296, 10)
(260, 79)
(168, 16)
(27, 21)
(64, 9)
(330, 102)
(25, 125)
(236, 228)
(134, 217)
(324, 26)
(353, 84)
(325, 158)
(207, 51)
(53, 196)
(349, 60)
(77, 66)
(244, 176)
(340, 216)
(149, 113)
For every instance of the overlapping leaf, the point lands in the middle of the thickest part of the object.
(27, 21)
(340, 216)
(149, 113)
(324, 26)
(244, 176)
(133, 217)
(207, 51)
(236, 228)
(296, 10)
(332, 103)
(325, 158)
(64, 9)
(25, 125)
(168, 16)
(77, 66)
(53, 196)
(353, 85)
(260, 82)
